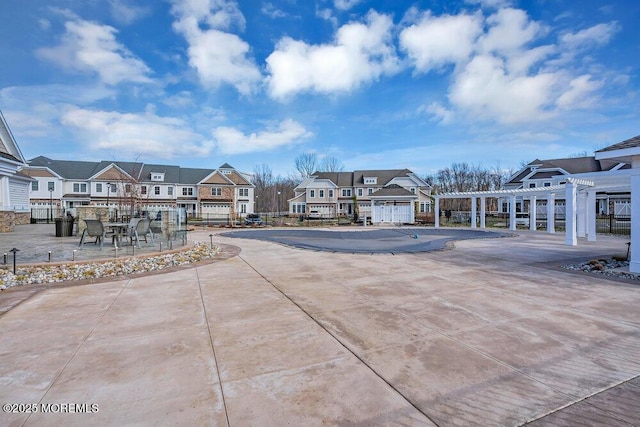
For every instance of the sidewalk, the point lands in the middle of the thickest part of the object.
(490, 332)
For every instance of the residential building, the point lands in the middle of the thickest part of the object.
(14, 186)
(382, 195)
(552, 172)
(133, 187)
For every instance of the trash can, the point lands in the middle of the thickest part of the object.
(64, 227)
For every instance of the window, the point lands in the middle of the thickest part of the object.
(330, 193)
(157, 176)
(413, 190)
(170, 191)
(99, 187)
(243, 192)
(312, 193)
(547, 184)
(187, 191)
(371, 180)
(532, 185)
(243, 208)
(346, 192)
(35, 185)
(156, 190)
(359, 192)
(369, 191)
(51, 186)
(216, 191)
(320, 193)
(127, 188)
(113, 188)
(143, 189)
(79, 187)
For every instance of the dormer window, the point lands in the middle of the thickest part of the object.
(225, 171)
(372, 180)
(157, 176)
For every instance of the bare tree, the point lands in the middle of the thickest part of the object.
(263, 180)
(306, 164)
(331, 164)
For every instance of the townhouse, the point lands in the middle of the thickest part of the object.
(382, 195)
(14, 186)
(135, 187)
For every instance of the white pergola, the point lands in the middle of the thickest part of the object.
(579, 195)
(629, 152)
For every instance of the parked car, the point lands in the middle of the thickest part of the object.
(253, 219)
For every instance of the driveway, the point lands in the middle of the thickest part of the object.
(490, 332)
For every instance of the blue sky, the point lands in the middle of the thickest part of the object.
(380, 84)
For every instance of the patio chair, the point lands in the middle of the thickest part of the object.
(95, 228)
(140, 231)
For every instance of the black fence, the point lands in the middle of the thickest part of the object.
(46, 215)
(614, 224)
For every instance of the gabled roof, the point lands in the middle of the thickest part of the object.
(393, 190)
(8, 146)
(356, 178)
(69, 169)
(628, 143)
(226, 166)
(545, 169)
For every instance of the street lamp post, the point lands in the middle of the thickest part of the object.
(278, 204)
(108, 192)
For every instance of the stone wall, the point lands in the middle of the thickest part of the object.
(90, 212)
(23, 218)
(7, 221)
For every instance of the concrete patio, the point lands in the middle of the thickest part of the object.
(490, 332)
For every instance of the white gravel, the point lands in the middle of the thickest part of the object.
(117, 267)
(606, 267)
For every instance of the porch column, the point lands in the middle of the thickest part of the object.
(474, 211)
(512, 213)
(634, 264)
(551, 213)
(571, 238)
(581, 222)
(436, 212)
(532, 213)
(483, 212)
(591, 215)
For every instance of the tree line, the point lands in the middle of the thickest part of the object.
(273, 191)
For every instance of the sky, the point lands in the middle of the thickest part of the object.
(384, 84)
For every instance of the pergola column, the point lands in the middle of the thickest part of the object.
(551, 213)
(634, 264)
(436, 212)
(512, 213)
(474, 211)
(532, 213)
(581, 223)
(571, 238)
(483, 212)
(591, 215)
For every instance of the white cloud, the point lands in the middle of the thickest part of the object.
(436, 41)
(579, 93)
(219, 57)
(361, 53)
(509, 31)
(598, 35)
(92, 48)
(271, 11)
(135, 134)
(232, 141)
(439, 112)
(125, 12)
(485, 90)
(490, 4)
(346, 4)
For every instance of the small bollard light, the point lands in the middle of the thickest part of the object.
(116, 249)
(133, 249)
(14, 250)
(170, 244)
(160, 246)
(211, 241)
(5, 258)
(49, 256)
(74, 255)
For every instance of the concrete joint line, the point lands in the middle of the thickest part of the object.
(337, 339)
(583, 399)
(213, 349)
(84, 340)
